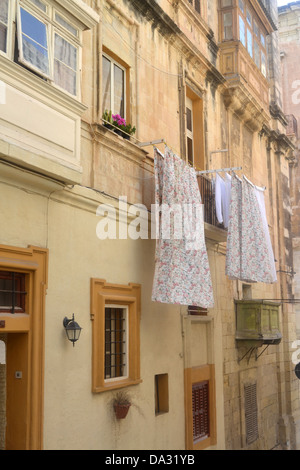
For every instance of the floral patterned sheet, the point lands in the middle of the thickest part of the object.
(182, 272)
(249, 255)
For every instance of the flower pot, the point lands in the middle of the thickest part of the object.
(121, 410)
(119, 132)
(108, 126)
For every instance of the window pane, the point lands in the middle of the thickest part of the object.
(228, 32)
(255, 28)
(4, 11)
(65, 52)
(249, 18)
(34, 28)
(66, 25)
(3, 24)
(256, 54)
(263, 64)
(226, 3)
(115, 342)
(65, 64)
(118, 91)
(106, 83)
(242, 31)
(12, 292)
(249, 42)
(197, 5)
(189, 123)
(3, 35)
(242, 5)
(190, 151)
(263, 40)
(40, 4)
(34, 41)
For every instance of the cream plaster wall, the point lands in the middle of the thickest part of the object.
(65, 222)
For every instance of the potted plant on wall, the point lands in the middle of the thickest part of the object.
(107, 119)
(121, 404)
(123, 129)
(118, 124)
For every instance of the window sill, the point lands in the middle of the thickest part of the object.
(112, 140)
(117, 385)
(17, 322)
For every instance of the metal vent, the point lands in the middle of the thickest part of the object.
(251, 413)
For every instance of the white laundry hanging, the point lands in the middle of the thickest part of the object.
(219, 197)
(222, 198)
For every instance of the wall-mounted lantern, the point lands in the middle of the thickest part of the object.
(72, 329)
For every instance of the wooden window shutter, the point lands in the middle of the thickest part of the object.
(200, 402)
(251, 413)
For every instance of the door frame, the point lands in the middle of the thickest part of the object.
(34, 262)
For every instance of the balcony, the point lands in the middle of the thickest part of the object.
(257, 323)
(213, 229)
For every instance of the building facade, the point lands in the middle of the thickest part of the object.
(202, 77)
(289, 18)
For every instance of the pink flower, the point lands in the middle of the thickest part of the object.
(119, 120)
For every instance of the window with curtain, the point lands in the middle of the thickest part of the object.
(3, 24)
(113, 86)
(47, 41)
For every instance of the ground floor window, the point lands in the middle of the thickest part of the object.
(115, 313)
(200, 407)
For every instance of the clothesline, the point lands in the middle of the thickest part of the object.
(206, 172)
(182, 271)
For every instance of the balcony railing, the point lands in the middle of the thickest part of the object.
(208, 199)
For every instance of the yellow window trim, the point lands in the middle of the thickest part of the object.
(191, 376)
(103, 294)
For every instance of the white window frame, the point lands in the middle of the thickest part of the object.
(112, 78)
(23, 61)
(52, 27)
(126, 346)
(9, 36)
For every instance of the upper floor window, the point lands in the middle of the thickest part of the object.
(252, 36)
(44, 38)
(194, 129)
(189, 131)
(240, 22)
(113, 86)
